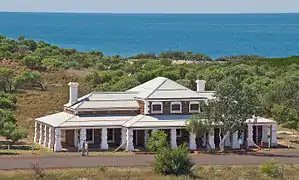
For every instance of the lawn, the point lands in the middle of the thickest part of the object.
(101, 173)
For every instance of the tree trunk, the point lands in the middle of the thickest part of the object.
(221, 144)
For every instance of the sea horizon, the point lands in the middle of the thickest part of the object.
(95, 12)
(127, 34)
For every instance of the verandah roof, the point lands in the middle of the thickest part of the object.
(65, 120)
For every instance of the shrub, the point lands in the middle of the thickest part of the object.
(272, 169)
(157, 141)
(173, 162)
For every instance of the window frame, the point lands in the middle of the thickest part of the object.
(113, 138)
(194, 111)
(92, 135)
(176, 111)
(157, 112)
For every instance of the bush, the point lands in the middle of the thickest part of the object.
(157, 141)
(272, 169)
(173, 162)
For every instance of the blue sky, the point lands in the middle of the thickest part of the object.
(154, 6)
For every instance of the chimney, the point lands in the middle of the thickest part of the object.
(73, 92)
(200, 85)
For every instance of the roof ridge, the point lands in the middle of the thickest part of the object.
(156, 88)
(73, 115)
(117, 92)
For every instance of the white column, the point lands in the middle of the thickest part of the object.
(82, 137)
(104, 144)
(227, 141)
(154, 130)
(130, 145)
(249, 135)
(50, 136)
(146, 136)
(123, 135)
(265, 133)
(146, 104)
(273, 135)
(211, 139)
(235, 141)
(35, 140)
(192, 141)
(57, 144)
(76, 137)
(45, 136)
(40, 140)
(173, 143)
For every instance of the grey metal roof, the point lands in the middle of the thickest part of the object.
(164, 88)
(111, 96)
(98, 101)
(157, 121)
(55, 119)
(96, 121)
(106, 105)
(65, 120)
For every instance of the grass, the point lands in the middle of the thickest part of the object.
(101, 173)
(36, 103)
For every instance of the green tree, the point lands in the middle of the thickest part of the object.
(11, 132)
(31, 61)
(234, 104)
(28, 79)
(6, 79)
(157, 141)
(204, 122)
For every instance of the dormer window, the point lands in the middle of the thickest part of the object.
(194, 107)
(157, 108)
(176, 107)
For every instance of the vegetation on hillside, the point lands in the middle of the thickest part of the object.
(273, 81)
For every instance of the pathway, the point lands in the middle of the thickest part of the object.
(74, 161)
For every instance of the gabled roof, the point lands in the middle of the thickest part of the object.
(164, 88)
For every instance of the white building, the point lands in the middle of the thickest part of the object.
(111, 119)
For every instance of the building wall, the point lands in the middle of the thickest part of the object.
(141, 106)
(166, 108)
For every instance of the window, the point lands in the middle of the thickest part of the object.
(194, 107)
(178, 133)
(110, 135)
(176, 107)
(157, 107)
(89, 135)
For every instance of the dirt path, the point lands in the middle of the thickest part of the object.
(19, 162)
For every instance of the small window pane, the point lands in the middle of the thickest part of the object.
(194, 107)
(176, 107)
(157, 107)
(110, 134)
(89, 135)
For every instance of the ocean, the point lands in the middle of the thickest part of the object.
(216, 35)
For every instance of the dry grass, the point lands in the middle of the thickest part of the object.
(36, 103)
(101, 173)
